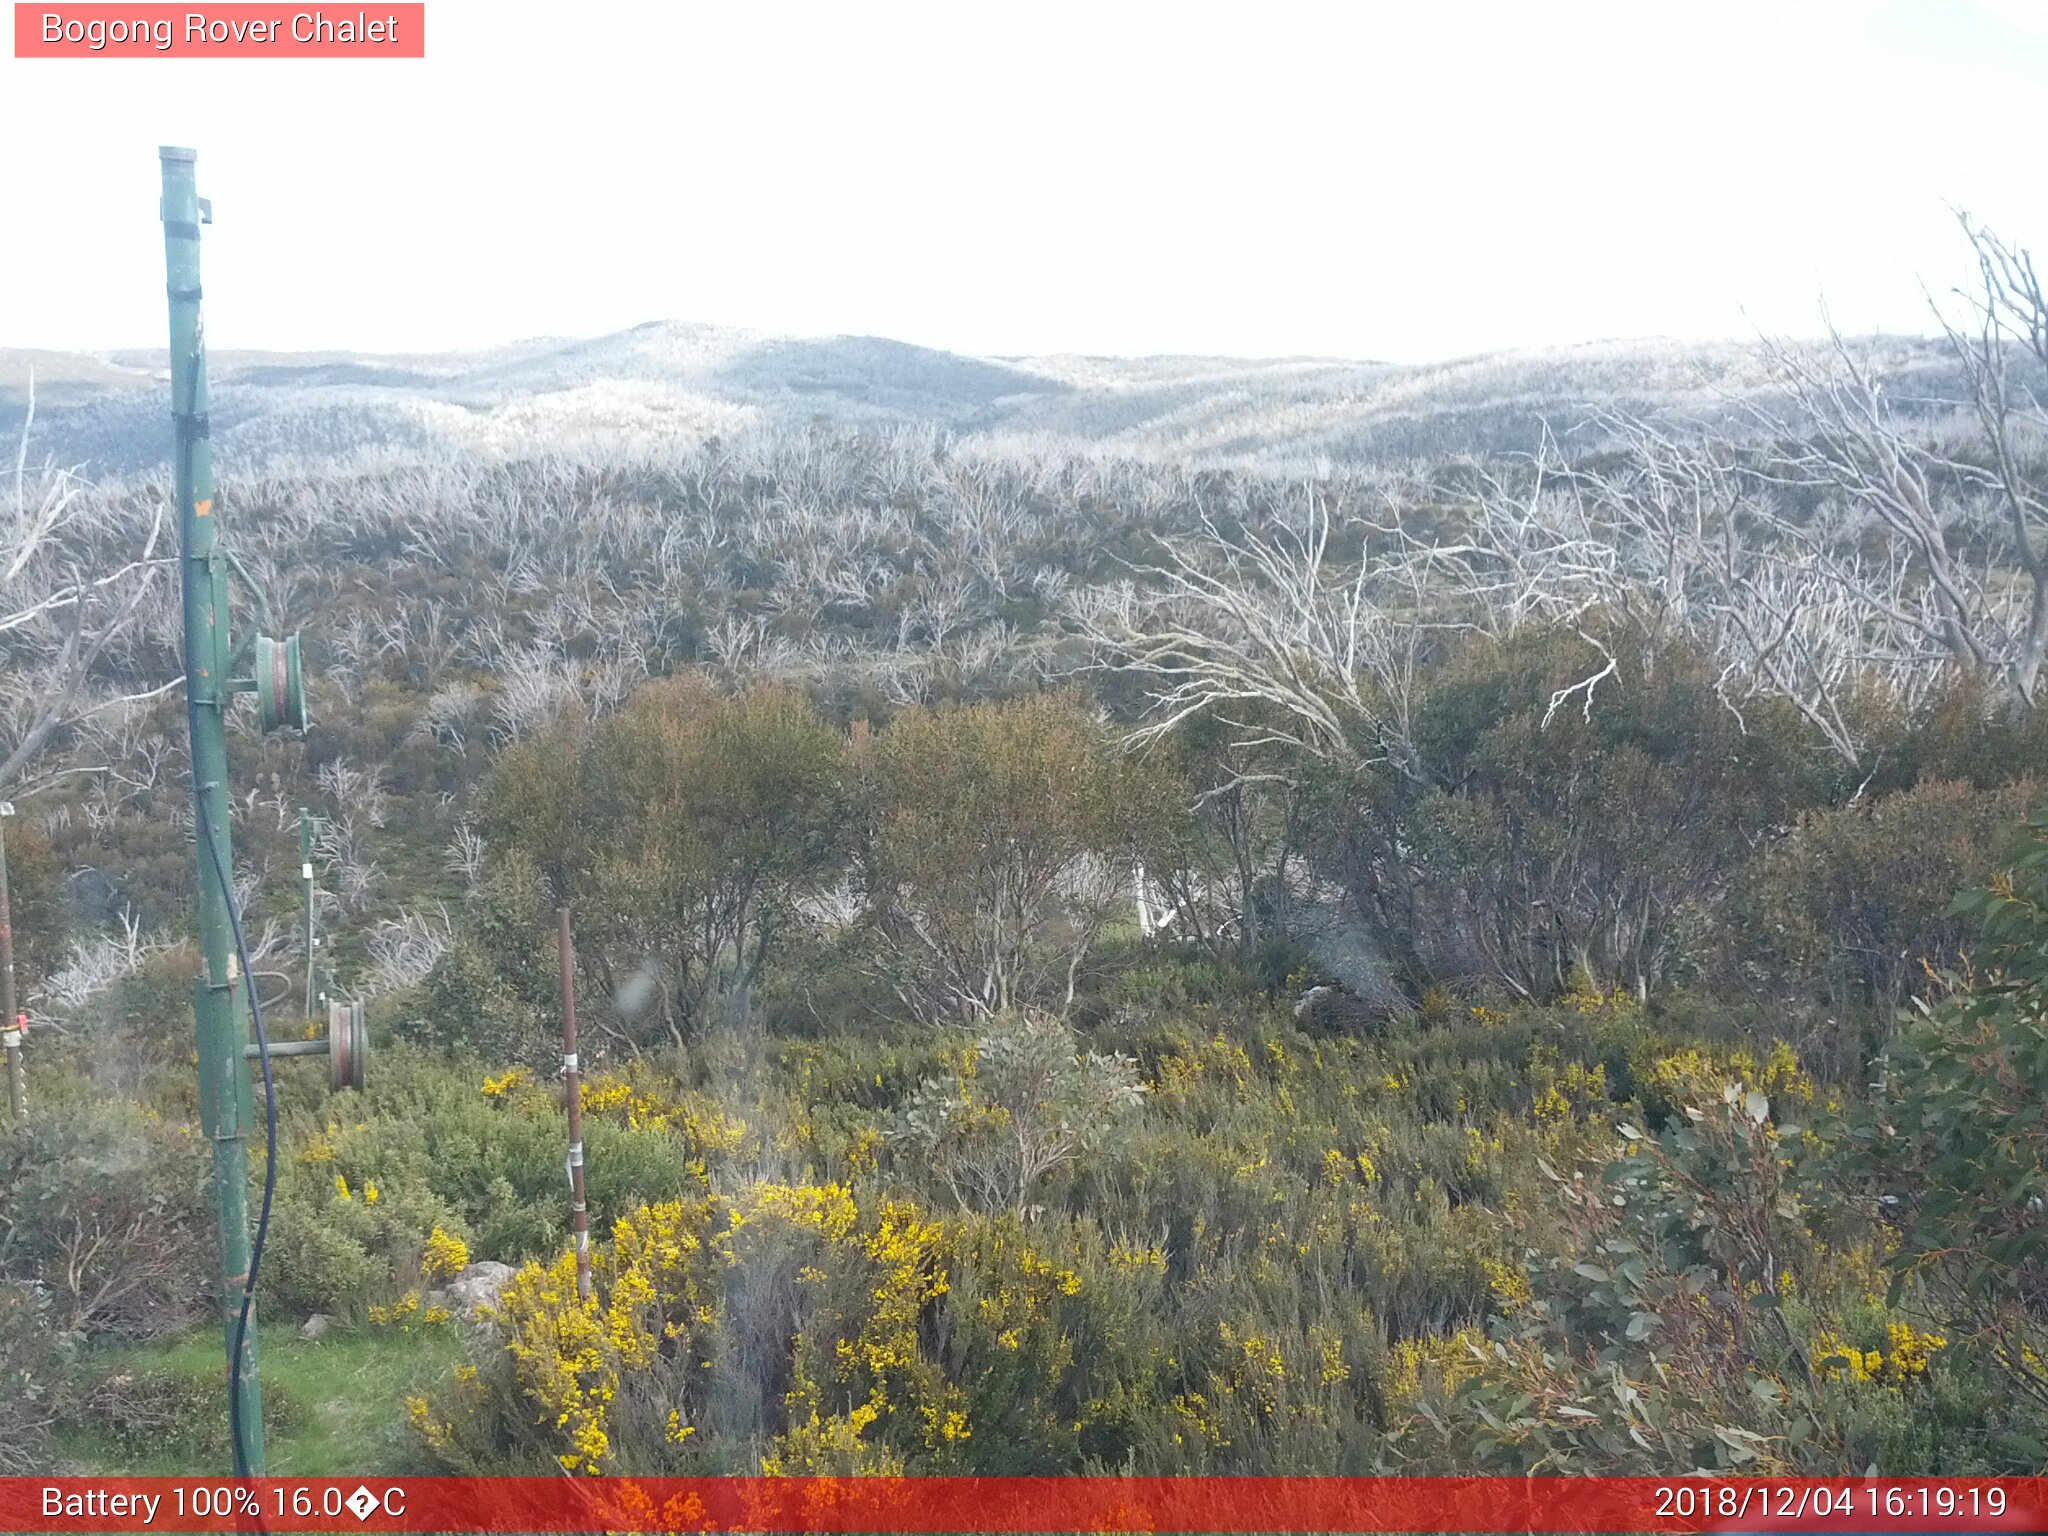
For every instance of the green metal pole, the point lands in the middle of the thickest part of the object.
(306, 883)
(224, 1102)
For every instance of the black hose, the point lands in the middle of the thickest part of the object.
(227, 890)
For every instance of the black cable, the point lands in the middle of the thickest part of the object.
(227, 890)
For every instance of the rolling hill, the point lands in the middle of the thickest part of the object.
(106, 411)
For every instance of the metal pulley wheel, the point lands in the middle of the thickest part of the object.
(280, 684)
(348, 1045)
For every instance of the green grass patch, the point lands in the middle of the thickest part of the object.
(332, 1407)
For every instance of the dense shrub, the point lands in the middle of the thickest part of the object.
(1158, 1313)
(1955, 1136)
(131, 1038)
(105, 1209)
(36, 1375)
(1967, 732)
(365, 1180)
(496, 993)
(1022, 1104)
(1670, 1276)
(160, 1410)
(39, 902)
(1546, 836)
(1854, 902)
(1714, 1305)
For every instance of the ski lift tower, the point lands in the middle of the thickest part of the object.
(223, 999)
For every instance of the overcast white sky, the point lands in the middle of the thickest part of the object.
(1412, 179)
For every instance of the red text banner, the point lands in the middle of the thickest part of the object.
(1050, 1504)
(224, 31)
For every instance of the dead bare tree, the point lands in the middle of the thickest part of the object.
(404, 949)
(2003, 349)
(453, 714)
(1696, 545)
(68, 587)
(1971, 581)
(465, 855)
(1274, 637)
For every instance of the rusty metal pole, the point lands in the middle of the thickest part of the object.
(572, 1087)
(10, 1022)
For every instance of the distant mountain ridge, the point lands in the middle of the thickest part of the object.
(673, 379)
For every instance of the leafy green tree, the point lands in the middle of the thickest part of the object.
(1221, 869)
(1003, 839)
(496, 992)
(38, 900)
(688, 831)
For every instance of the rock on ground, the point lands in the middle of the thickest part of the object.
(478, 1285)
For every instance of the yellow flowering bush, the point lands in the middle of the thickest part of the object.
(1907, 1354)
(399, 1314)
(875, 1274)
(1434, 1363)
(1218, 1060)
(1697, 1075)
(1586, 997)
(683, 1291)
(572, 1354)
(509, 1084)
(637, 1099)
(445, 1256)
(1565, 1091)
